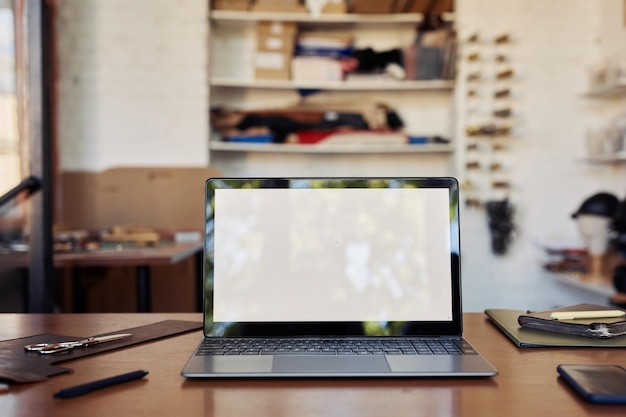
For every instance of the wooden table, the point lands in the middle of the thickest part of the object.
(141, 258)
(527, 384)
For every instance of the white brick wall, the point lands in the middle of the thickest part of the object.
(133, 91)
(133, 83)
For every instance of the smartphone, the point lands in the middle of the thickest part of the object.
(598, 384)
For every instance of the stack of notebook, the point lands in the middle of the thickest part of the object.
(581, 325)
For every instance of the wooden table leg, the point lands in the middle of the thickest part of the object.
(143, 289)
(78, 291)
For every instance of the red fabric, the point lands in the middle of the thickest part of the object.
(311, 137)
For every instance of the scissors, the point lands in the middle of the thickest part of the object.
(47, 348)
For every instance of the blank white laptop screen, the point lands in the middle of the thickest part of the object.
(316, 255)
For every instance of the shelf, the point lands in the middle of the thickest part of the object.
(615, 90)
(391, 18)
(329, 149)
(349, 85)
(607, 159)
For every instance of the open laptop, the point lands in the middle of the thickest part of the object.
(333, 277)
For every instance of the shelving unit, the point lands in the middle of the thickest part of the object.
(240, 90)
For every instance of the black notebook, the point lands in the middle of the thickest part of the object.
(600, 327)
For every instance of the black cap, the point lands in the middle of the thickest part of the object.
(600, 204)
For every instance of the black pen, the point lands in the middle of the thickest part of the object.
(102, 383)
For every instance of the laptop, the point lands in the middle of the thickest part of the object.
(333, 277)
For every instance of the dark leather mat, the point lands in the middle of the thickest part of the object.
(19, 365)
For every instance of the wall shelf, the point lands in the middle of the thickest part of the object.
(573, 280)
(610, 158)
(349, 85)
(610, 91)
(238, 16)
(330, 149)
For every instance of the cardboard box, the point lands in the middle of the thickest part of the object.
(287, 6)
(335, 6)
(240, 5)
(424, 6)
(285, 29)
(276, 36)
(163, 198)
(372, 6)
(272, 65)
(275, 46)
(314, 68)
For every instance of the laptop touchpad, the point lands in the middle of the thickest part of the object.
(329, 364)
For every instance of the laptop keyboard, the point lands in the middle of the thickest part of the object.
(277, 346)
